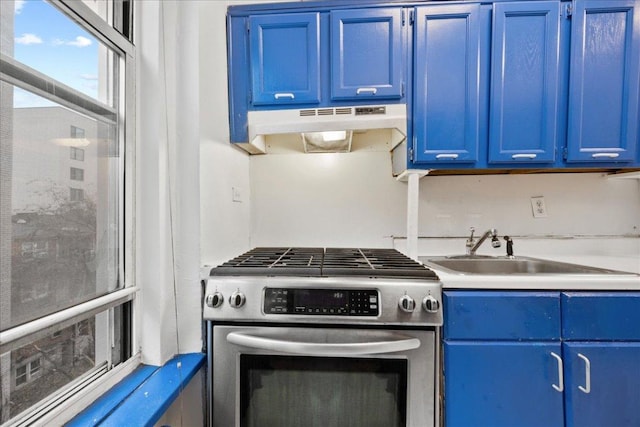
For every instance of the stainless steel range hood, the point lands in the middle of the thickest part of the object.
(262, 124)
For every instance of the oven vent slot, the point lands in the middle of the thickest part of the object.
(307, 113)
(325, 112)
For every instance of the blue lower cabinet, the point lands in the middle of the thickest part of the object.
(507, 364)
(502, 384)
(602, 384)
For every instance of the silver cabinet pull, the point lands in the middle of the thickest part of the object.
(587, 375)
(369, 90)
(446, 156)
(605, 155)
(284, 95)
(560, 387)
(524, 156)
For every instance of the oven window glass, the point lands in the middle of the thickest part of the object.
(294, 391)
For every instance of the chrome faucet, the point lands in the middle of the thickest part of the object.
(472, 245)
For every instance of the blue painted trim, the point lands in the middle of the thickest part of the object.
(101, 408)
(144, 396)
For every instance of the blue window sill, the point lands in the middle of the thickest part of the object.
(143, 396)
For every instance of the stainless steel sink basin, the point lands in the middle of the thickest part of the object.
(518, 265)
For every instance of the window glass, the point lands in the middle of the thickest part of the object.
(61, 199)
(47, 363)
(64, 219)
(48, 41)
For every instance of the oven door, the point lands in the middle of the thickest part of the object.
(292, 377)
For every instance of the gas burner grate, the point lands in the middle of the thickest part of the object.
(319, 262)
(372, 263)
(274, 261)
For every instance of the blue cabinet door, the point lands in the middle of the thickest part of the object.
(446, 84)
(602, 384)
(502, 384)
(601, 316)
(285, 58)
(367, 54)
(524, 82)
(605, 69)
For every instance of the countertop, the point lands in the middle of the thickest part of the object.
(625, 281)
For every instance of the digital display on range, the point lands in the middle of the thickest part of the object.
(315, 297)
(332, 302)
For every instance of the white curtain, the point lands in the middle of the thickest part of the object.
(167, 199)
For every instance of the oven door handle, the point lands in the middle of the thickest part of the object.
(389, 343)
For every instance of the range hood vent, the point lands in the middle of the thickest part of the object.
(361, 118)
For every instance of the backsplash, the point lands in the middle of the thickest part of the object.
(352, 200)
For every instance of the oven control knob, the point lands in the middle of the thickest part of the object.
(214, 300)
(406, 303)
(430, 304)
(237, 299)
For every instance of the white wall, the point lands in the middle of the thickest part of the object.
(352, 200)
(224, 224)
(326, 200)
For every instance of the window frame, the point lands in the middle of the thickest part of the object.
(71, 398)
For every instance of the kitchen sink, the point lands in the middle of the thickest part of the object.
(517, 265)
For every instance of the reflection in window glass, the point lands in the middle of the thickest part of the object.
(64, 237)
(48, 41)
(49, 362)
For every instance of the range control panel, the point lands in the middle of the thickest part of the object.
(321, 302)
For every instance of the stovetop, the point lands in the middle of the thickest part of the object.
(321, 262)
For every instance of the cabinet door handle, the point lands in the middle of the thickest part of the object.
(587, 375)
(606, 155)
(369, 90)
(446, 156)
(284, 95)
(560, 387)
(524, 156)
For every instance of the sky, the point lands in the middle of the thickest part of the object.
(47, 40)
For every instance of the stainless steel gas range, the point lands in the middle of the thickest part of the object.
(322, 337)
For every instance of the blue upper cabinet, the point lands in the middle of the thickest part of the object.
(605, 69)
(524, 82)
(367, 55)
(285, 58)
(446, 85)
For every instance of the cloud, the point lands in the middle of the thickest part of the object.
(28, 38)
(88, 76)
(18, 5)
(80, 42)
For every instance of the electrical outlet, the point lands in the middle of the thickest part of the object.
(539, 207)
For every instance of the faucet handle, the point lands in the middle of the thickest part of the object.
(470, 241)
(473, 230)
(509, 246)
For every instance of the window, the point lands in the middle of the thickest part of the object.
(76, 174)
(35, 249)
(76, 195)
(27, 371)
(76, 153)
(66, 288)
(77, 132)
